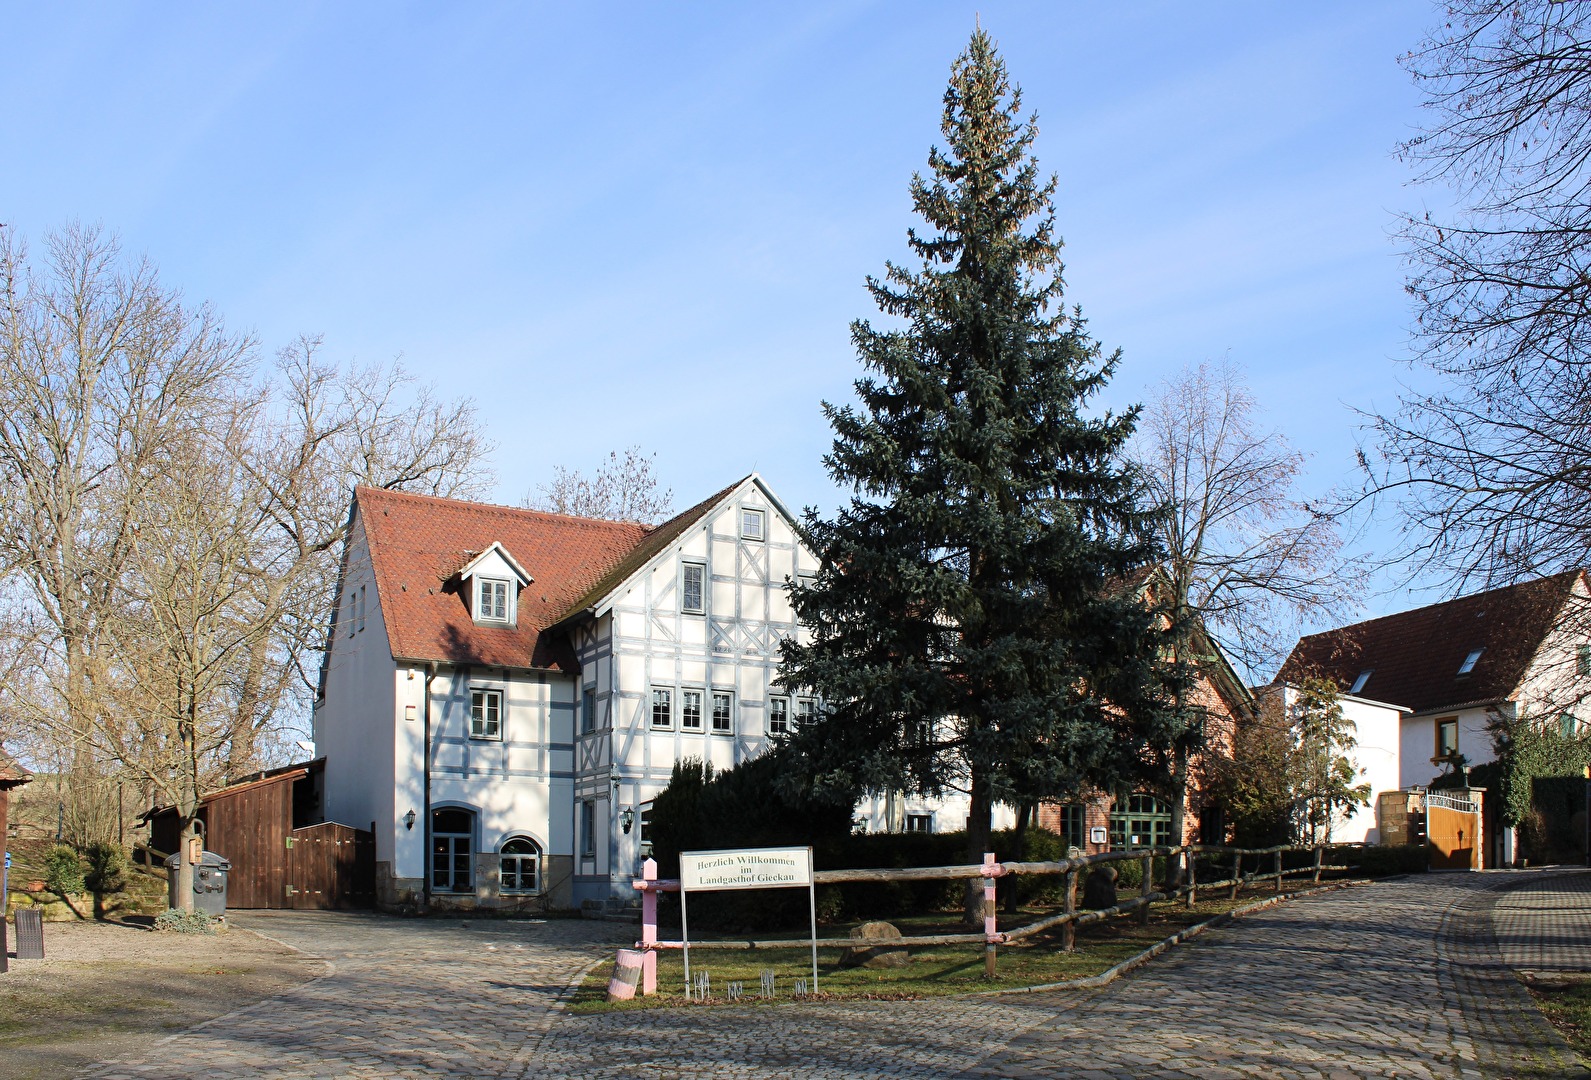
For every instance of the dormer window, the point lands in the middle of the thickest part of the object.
(491, 582)
(1469, 662)
(1359, 683)
(491, 600)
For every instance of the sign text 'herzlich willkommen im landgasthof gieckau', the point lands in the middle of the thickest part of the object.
(754, 868)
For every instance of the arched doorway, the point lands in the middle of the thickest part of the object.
(452, 843)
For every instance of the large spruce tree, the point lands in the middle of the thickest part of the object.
(974, 623)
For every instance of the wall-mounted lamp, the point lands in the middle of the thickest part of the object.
(408, 820)
(626, 819)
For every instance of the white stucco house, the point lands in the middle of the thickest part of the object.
(505, 690)
(1425, 685)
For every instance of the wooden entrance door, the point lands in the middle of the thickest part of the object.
(1453, 833)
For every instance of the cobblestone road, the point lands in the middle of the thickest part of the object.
(1401, 979)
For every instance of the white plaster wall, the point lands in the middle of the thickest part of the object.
(354, 724)
(1376, 757)
(1417, 743)
(949, 812)
(1552, 684)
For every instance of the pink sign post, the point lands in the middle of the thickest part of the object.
(649, 927)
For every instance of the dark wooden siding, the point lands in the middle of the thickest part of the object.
(330, 866)
(273, 864)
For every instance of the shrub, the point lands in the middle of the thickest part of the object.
(63, 871)
(105, 865)
(1381, 860)
(177, 921)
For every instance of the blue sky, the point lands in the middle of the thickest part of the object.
(650, 224)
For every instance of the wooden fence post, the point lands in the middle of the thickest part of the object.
(1318, 850)
(1068, 930)
(1147, 888)
(649, 927)
(990, 919)
(1237, 873)
(1193, 878)
(1278, 870)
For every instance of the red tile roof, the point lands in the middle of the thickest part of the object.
(12, 774)
(1414, 657)
(419, 542)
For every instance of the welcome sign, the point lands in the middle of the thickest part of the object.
(753, 868)
(758, 868)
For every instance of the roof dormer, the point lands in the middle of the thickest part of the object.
(492, 581)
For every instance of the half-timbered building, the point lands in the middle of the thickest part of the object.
(505, 690)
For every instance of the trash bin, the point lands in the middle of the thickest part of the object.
(209, 883)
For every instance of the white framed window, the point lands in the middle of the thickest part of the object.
(491, 600)
(519, 866)
(693, 588)
(486, 714)
(452, 837)
(723, 712)
(778, 716)
(588, 712)
(646, 825)
(920, 823)
(753, 524)
(804, 710)
(690, 710)
(662, 707)
(588, 829)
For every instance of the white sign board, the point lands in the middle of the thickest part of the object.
(758, 868)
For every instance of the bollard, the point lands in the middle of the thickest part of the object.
(1318, 850)
(649, 927)
(1068, 931)
(990, 922)
(1237, 873)
(1278, 871)
(1193, 878)
(1147, 888)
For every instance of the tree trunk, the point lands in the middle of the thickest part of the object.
(185, 865)
(1175, 867)
(980, 823)
(1024, 816)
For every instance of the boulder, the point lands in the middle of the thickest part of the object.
(1099, 888)
(873, 954)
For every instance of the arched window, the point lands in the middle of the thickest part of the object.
(520, 870)
(452, 840)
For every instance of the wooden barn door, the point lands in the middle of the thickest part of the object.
(1452, 829)
(330, 866)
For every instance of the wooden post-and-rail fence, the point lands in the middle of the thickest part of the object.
(1068, 919)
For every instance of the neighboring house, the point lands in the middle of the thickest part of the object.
(504, 691)
(1107, 821)
(1424, 686)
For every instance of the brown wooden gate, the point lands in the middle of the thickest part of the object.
(1452, 828)
(330, 866)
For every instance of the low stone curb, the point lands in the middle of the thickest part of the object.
(1110, 975)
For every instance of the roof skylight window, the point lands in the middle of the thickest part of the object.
(1469, 662)
(1359, 683)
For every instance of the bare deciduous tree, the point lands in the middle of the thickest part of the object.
(1246, 558)
(622, 489)
(173, 516)
(1492, 469)
(1245, 551)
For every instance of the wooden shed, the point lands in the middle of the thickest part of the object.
(282, 854)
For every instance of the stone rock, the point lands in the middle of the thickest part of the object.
(1099, 888)
(875, 956)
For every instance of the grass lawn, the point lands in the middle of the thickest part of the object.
(1566, 1002)
(934, 970)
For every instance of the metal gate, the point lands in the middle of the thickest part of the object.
(1452, 829)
